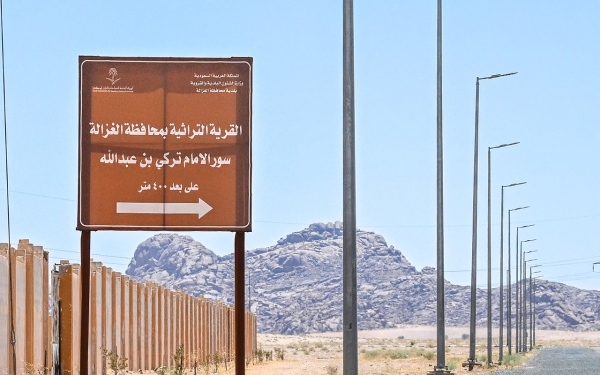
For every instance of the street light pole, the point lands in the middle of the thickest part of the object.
(441, 367)
(531, 308)
(472, 361)
(501, 336)
(534, 305)
(349, 283)
(509, 306)
(518, 267)
(524, 297)
(489, 243)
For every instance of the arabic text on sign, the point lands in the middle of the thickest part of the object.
(106, 130)
(147, 161)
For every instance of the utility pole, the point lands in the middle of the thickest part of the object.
(350, 315)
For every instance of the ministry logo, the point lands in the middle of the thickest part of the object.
(113, 73)
(112, 77)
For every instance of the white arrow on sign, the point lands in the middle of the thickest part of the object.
(201, 208)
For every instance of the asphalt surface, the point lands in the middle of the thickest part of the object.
(560, 361)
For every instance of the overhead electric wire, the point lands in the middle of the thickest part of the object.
(13, 339)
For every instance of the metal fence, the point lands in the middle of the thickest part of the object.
(144, 323)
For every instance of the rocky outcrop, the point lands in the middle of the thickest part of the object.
(295, 286)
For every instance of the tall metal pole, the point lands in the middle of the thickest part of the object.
(501, 310)
(489, 260)
(239, 304)
(501, 335)
(489, 268)
(534, 308)
(509, 295)
(441, 321)
(472, 331)
(530, 312)
(523, 297)
(519, 306)
(350, 352)
(517, 332)
(85, 302)
(524, 310)
(472, 361)
(525, 303)
(509, 307)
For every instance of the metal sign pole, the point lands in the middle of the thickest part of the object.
(240, 328)
(350, 360)
(85, 301)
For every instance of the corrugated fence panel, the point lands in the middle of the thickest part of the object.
(144, 323)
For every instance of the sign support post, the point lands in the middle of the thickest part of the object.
(239, 280)
(85, 301)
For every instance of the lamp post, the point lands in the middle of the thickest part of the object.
(489, 244)
(509, 307)
(441, 367)
(524, 298)
(534, 305)
(472, 361)
(501, 336)
(518, 292)
(349, 283)
(531, 312)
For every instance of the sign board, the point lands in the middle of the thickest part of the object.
(165, 143)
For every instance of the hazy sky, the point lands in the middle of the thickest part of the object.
(551, 106)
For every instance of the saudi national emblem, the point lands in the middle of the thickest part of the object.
(113, 73)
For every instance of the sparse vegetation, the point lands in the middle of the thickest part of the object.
(397, 354)
(331, 370)
(116, 363)
(512, 360)
(452, 363)
(178, 358)
(482, 358)
(280, 353)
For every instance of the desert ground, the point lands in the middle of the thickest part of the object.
(402, 350)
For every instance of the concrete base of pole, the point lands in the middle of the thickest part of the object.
(470, 363)
(440, 371)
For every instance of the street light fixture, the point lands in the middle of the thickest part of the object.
(509, 306)
(501, 333)
(489, 243)
(472, 361)
(518, 291)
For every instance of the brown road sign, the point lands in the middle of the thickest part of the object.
(165, 143)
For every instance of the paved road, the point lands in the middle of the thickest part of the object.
(560, 361)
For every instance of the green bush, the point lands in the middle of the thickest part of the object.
(512, 360)
(452, 363)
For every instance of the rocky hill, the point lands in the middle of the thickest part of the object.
(295, 286)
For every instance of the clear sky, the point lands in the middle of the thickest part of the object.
(551, 106)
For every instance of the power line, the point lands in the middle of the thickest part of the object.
(98, 254)
(13, 339)
(40, 195)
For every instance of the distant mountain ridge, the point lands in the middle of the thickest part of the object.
(296, 285)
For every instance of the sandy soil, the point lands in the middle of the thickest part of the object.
(413, 350)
